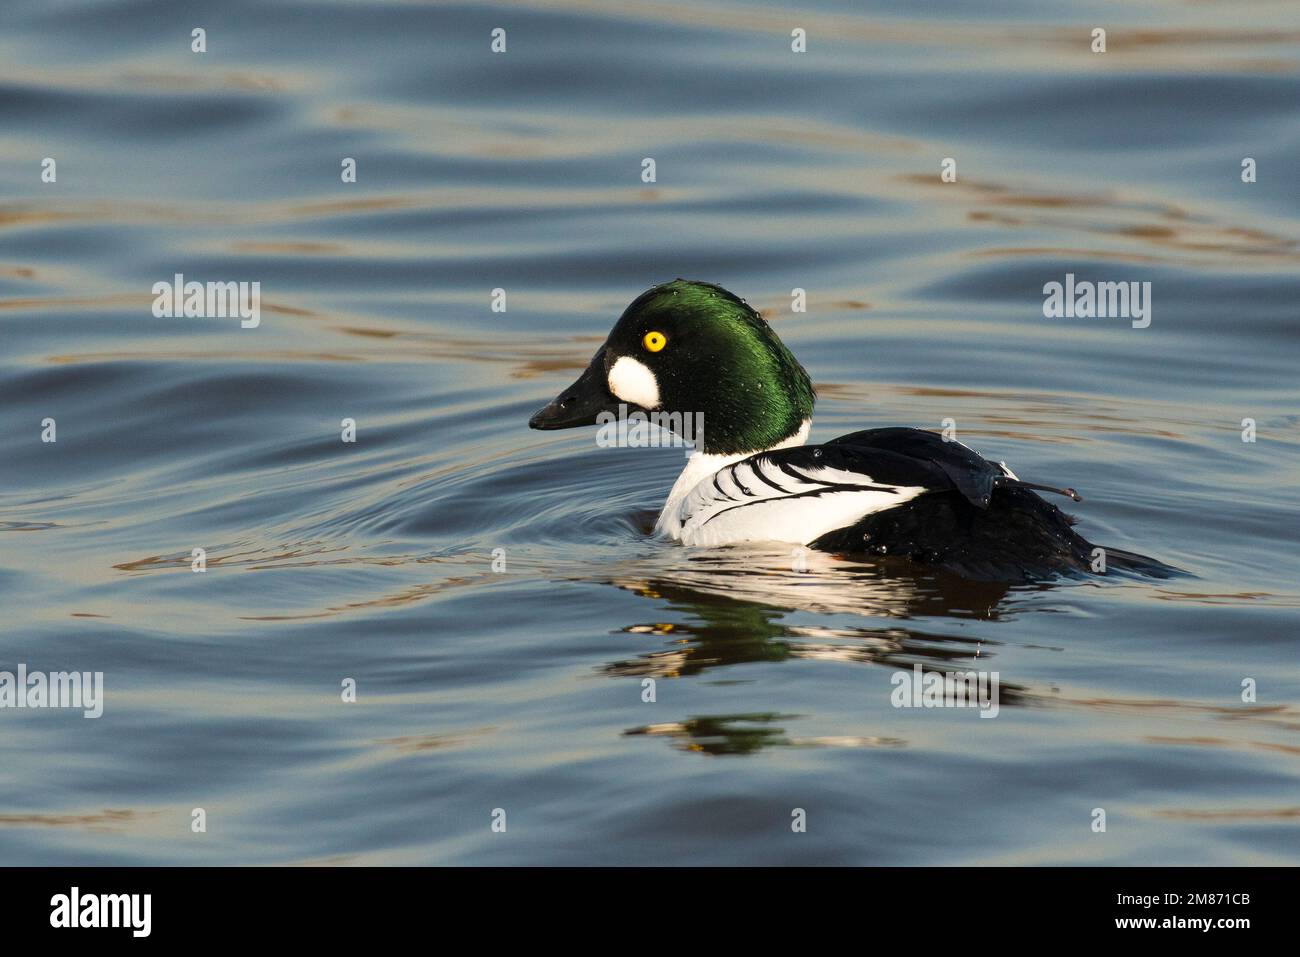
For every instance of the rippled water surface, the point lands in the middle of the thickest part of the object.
(522, 689)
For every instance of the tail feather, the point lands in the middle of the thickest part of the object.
(1131, 563)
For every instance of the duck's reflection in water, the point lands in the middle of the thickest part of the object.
(747, 733)
(734, 616)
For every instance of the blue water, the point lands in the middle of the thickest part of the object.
(521, 689)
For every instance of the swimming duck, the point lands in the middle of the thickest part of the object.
(685, 348)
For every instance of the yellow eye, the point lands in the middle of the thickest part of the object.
(654, 341)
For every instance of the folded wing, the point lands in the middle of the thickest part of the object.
(800, 494)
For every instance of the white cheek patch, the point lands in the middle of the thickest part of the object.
(634, 383)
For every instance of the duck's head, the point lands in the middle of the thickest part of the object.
(692, 348)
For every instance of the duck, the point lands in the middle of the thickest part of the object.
(691, 351)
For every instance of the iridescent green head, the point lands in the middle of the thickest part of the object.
(692, 347)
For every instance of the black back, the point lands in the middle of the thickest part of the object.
(975, 521)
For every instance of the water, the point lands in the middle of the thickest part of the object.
(521, 690)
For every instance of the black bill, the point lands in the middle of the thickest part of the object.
(581, 402)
